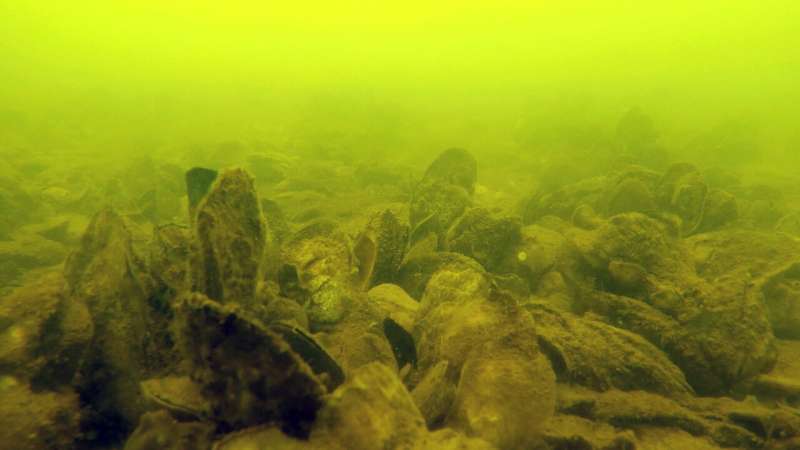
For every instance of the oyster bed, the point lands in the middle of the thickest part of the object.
(286, 304)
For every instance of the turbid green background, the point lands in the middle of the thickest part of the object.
(134, 75)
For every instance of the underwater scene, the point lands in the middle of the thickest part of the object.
(348, 225)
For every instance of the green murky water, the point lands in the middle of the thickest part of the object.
(524, 225)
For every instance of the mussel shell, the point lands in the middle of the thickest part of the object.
(321, 363)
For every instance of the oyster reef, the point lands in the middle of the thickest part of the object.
(359, 225)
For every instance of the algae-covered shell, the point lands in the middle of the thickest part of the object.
(380, 249)
(683, 191)
(248, 373)
(455, 166)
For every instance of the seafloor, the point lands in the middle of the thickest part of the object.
(275, 301)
